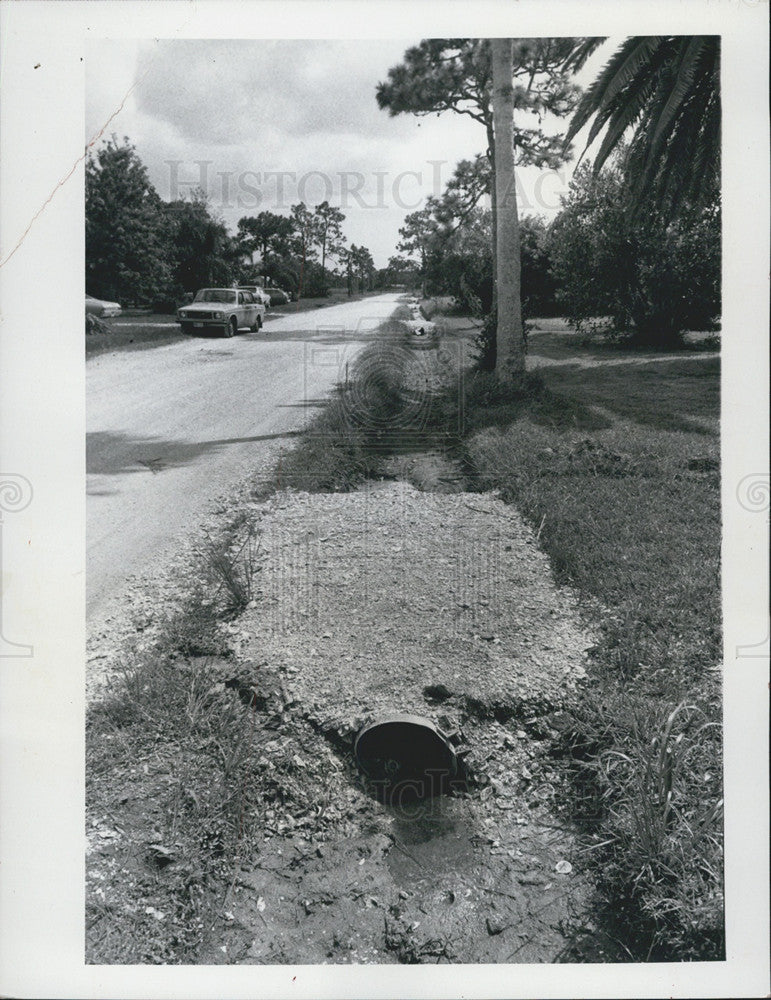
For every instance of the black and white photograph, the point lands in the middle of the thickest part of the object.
(407, 501)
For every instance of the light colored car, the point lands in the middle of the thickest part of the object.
(258, 292)
(101, 308)
(225, 309)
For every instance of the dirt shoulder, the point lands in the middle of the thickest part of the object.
(383, 599)
(391, 600)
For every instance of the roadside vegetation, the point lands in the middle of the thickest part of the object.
(133, 332)
(616, 467)
(192, 769)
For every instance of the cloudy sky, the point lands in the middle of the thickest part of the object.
(262, 124)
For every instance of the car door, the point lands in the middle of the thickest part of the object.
(252, 309)
(243, 310)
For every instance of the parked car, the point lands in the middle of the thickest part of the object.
(224, 309)
(101, 308)
(258, 292)
(278, 297)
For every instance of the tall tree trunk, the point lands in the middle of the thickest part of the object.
(493, 207)
(509, 337)
(489, 358)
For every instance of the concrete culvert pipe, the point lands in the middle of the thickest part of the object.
(406, 756)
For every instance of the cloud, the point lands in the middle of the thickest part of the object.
(231, 115)
(223, 91)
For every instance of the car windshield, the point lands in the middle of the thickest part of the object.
(227, 295)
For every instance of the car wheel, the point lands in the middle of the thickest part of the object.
(232, 328)
(256, 325)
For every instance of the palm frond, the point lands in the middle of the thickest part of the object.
(617, 73)
(625, 117)
(644, 86)
(582, 52)
(692, 54)
(667, 91)
(705, 182)
(637, 58)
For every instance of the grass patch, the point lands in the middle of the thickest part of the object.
(554, 338)
(163, 754)
(130, 333)
(665, 395)
(617, 469)
(385, 409)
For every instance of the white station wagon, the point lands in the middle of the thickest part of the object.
(223, 309)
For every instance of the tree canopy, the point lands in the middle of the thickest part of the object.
(644, 277)
(329, 233)
(455, 74)
(266, 234)
(126, 255)
(141, 250)
(200, 251)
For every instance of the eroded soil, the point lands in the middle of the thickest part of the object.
(390, 600)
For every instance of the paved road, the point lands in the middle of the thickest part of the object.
(171, 429)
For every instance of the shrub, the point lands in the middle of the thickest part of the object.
(646, 279)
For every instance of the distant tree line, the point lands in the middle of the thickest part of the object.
(143, 251)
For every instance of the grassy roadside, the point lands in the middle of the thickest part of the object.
(193, 767)
(616, 466)
(130, 333)
(617, 469)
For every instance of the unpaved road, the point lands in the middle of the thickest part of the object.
(169, 430)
